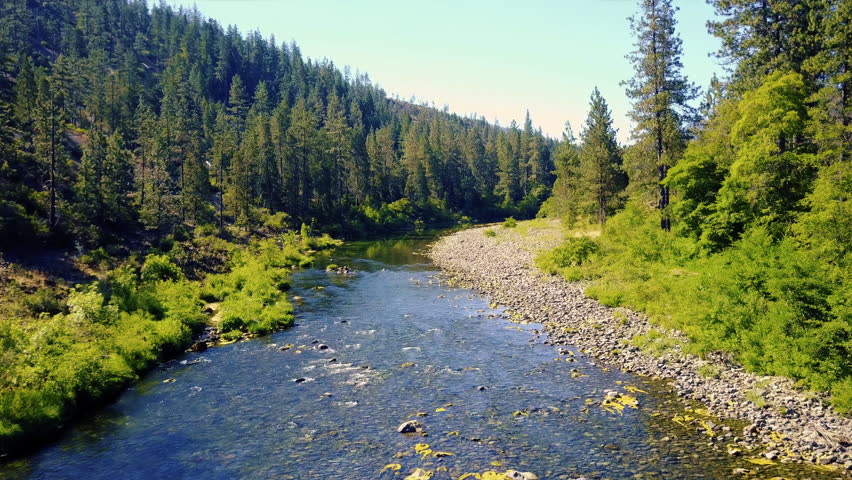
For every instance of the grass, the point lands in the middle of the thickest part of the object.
(655, 343)
(710, 371)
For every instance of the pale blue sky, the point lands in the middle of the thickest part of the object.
(491, 57)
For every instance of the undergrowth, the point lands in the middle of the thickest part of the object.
(780, 308)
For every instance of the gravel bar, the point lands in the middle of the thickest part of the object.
(792, 426)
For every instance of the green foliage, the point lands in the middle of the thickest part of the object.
(95, 257)
(780, 309)
(106, 333)
(158, 268)
(489, 232)
(510, 223)
(43, 301)
(841, 395)
(710, 371)
(574, 252)
(655, 343)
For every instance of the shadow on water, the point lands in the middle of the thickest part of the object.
(369, 351)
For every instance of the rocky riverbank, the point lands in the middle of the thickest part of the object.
(784, 424)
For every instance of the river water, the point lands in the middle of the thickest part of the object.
(399, 344)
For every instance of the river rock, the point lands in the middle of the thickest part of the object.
(515, 475)
(198, 347)
(411, 426)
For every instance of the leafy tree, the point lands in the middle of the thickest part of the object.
(773, 167)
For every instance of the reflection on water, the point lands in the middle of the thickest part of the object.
(371, 350)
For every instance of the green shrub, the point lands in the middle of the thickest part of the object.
(96, 257)
(709, 371)
(43, 300)
(841, 395)
(779, 308)
(206, 230)
(574, 252)
(510, 223)
(277, 222)
(160, 267)
(117, 328)
(489, 232)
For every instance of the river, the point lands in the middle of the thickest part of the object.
(369, 351)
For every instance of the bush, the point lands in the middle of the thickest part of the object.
(510, 223)
(276, 222)
(841, 395)
(488, 232)
(95, 257)
(159, 268)
(779, 308)
(43, 301)
(206, 230)
(574, 252)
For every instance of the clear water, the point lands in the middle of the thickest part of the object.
(237, 411)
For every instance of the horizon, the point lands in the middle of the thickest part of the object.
(495, 81)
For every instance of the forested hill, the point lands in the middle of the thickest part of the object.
(118, 118)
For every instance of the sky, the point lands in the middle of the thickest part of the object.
(493, 58)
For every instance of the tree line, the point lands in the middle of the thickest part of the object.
(117, 118)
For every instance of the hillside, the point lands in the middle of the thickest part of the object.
(118, 119)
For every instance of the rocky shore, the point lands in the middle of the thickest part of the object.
(784, 424)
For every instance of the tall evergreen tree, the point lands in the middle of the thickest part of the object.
(599, 171)
(661, 96)
(48, 141)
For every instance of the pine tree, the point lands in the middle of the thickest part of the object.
(566, 198)
(238, 103)
(599, 170)
(661, 96)
(145, 122)
(339, 148)
(26, 93)
(48, 141)
(415, 156)
(763, 36)
(509, 175)
(831, 115)
(302, 145)
(223, 152)
(269, 181)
